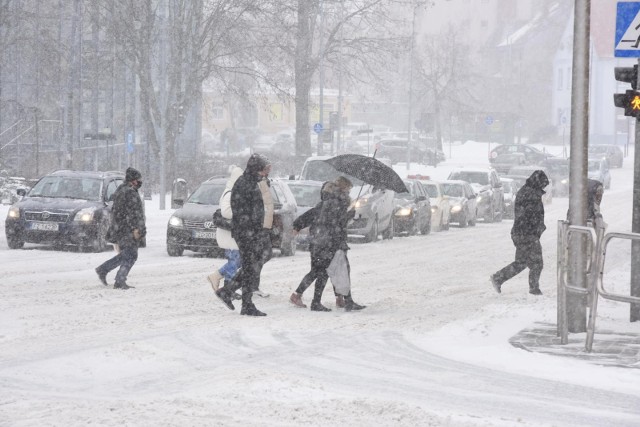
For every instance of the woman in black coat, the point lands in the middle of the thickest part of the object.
(528, 226)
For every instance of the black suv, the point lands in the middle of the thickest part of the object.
(191, 226)
(64, 208)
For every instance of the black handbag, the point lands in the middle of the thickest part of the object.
(221, 222)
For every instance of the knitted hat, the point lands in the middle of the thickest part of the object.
(132, 174)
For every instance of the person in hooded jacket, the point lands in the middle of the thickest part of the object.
(528, 226)
(224, 238)
(249, 231)
(127, 229)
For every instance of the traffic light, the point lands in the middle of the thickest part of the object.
(627, 75)
(630, 100)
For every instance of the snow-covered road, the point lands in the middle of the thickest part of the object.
(431, 348)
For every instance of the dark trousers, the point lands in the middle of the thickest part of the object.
(527, 255)
(125, 259)
(319, 264)
(254, 254)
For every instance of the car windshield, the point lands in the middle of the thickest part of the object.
(68, 188)
(594, 165)
(407, 195)
(306, 195)
(432, 190)
(207, 194)
(318, 170)
(452, 190)
(558, 169)
(474, 177)
(597, 149)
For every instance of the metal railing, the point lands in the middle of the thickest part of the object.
(599, 289)
(597, 245)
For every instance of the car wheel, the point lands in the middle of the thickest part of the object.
(174, 250)
(372, 236)
(14, 243)
(100, 243)
(289, 249)
(463, 220)
(390, 231)
(426, 228)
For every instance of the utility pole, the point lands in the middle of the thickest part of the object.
(413, 36)
(577, 303)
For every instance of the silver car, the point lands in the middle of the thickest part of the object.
(374, 206)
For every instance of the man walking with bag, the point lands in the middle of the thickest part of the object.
(127, 229)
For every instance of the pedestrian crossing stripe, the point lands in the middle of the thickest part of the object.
(627, 40)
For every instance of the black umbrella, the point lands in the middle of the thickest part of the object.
(369, 170)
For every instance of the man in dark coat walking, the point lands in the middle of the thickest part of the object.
(247, 229)
(528, 226)
(127, 229)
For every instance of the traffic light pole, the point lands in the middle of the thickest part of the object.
(634, 314)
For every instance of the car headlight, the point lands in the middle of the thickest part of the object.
(362, 202)
(404, 212)
(478, 199)
(564, 181)
(456, 209)
(84, 215)
(434, 209)
(175, 221)
(14, 212)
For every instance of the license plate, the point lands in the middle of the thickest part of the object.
(44, 226)
(204, 234)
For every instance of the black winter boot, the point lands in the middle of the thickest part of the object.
(223, 295)
(317, 306)
(350, 304)
(249, 309)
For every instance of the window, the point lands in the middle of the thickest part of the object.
(217, 112)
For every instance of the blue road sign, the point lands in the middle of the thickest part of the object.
(317, 128)
(627, 40)
(488, 120)
(130, 146)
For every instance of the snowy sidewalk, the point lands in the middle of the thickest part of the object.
(610, 348)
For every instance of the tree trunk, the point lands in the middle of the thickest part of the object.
(303, 79)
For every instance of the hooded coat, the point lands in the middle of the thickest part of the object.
(528, 224)
(223, 237)
(246, 202)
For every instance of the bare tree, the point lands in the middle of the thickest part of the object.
(444, 76)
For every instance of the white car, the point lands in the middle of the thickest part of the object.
(440, 209)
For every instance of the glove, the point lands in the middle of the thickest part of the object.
(136, 234)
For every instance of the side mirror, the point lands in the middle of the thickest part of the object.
(421, 199)
(21, 192)
(177, 203)
(472, 196)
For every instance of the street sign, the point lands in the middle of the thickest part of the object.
(130, 146)
(627, 40)
(488, 120)
(317, 128)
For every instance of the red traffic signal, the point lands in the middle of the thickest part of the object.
(630, 101)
